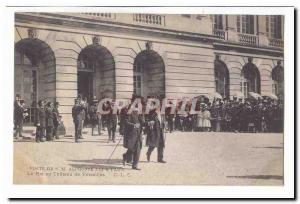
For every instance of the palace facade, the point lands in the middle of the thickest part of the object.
(61, 55)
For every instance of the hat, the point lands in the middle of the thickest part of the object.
(40, 102)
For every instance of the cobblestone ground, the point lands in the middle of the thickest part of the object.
(192, 159)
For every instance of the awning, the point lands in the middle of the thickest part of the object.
(239, 94)
(272, 96)
(255, 95)
(216, 95)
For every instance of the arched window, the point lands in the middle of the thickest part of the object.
(148, 74)
(250, 79)
(96, 72)
(277, 77)
(221, 78)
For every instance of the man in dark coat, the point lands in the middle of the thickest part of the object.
(133, 125)
(111, 123)
(78, 116)
(56, 120)
(155, 137)
(94, 117)
(16, 106)
(170, 118)
(40, 122)
(18, 119)
(49, 121)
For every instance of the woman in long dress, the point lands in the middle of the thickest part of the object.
(199, 123)
(206, 119)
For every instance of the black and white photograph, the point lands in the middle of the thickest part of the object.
(111, 97)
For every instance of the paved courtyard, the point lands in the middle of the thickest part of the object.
(192, 159)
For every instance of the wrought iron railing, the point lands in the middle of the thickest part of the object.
(152, 19)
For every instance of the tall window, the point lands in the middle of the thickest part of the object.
(218, 22)
(250, 79)
(221, 79)
(86, 62)
(245, 24)
(274, 26)
(277, 77)
(137, 78)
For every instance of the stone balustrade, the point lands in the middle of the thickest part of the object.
(247, 39)
(152, 19)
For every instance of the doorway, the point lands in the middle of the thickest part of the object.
(85, 84)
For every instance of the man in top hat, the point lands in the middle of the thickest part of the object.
(134, 123)
(49, 121)
(40, 122)
(155, 136)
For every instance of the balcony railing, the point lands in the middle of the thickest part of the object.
(152, 19)
(100, 15)
(248, 39)
(219, 34)
(275, 42)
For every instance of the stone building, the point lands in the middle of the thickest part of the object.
(61, 55)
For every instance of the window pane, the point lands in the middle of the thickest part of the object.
(238, 24)
(17, 58)
(26, 60)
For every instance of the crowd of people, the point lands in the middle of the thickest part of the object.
(237, 115)
(220, 115)
(47, 120)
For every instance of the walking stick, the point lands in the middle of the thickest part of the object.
(109, 158)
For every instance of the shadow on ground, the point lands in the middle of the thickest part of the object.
(267, 177)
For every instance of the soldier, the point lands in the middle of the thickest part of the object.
(56, 120)
(155, 137)
(77, 115)
(258, 110)
(134, 123)
(227, 116)
(111, 123)
(94, 117)
(49, 121)
(170, 118)
(40, 122)
(214, 116)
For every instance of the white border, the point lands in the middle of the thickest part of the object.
(93, 191)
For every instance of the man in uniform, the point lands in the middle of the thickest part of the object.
(78, 115)
(94, 116)
(56, 120)
(40, 122)
(111, 123)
